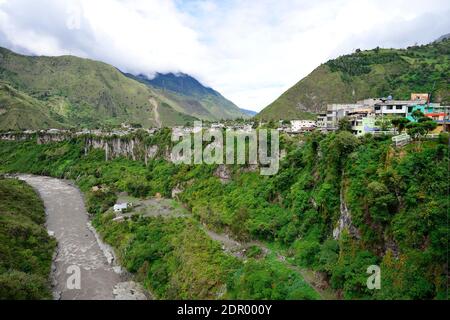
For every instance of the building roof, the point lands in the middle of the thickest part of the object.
(400, 102)
(120, 206)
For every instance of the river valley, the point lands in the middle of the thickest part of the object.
(79, 248)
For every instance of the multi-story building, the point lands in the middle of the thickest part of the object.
(335, 112)
(440, 114)
(401, 108)
(424, 108)
(363, 124)
(397, 108)
(321, 122)
(362, 120)
(365, 114)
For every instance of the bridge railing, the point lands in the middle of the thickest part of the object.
(401, 139)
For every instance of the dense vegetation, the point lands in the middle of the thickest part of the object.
(177, 260)
(172, 256)
(397, 198)
(25, 247)
(363, 74)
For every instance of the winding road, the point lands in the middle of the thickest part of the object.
(79, 248)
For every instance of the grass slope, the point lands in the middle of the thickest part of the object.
(25, 248)
(192, 97)
(19, 111)
(82, 91)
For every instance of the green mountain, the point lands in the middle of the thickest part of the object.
(83, 92)
(191, 96)
(250, 113)
(364, 74)
(19, 111)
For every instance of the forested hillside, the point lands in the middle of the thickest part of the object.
(396, 198)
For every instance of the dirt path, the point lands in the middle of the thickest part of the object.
(155, 110)
(238, 249)
(79, 247)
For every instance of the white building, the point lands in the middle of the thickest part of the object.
(399, 108)
(393, 107)
(120, 207)
(302, 125)
(217, 125)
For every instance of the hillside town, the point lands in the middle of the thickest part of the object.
(373, 115)
(368, 116)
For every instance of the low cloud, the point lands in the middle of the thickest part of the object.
(250, 51)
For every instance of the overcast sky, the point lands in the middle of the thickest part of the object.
(250, 51)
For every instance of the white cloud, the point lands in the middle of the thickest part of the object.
(250, 51)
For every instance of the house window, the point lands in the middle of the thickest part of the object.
(390, 107)
(377, 107)
(398, 107)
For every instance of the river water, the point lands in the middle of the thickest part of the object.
(79, 248)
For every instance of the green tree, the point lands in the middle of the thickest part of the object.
(399, 124)
(345, 124)
(417, 114)
(427, 124)
(420, 129)
(415, 130)
(384, 124)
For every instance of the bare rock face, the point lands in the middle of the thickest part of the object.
(223, 173)
(301, 107)
(177, 190)
(14, 137)
(250, 168)
(128, 290)
(48, 138)
(152, 151)
(120, 147)
(345, 221)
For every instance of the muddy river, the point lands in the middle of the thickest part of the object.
(84, 268)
